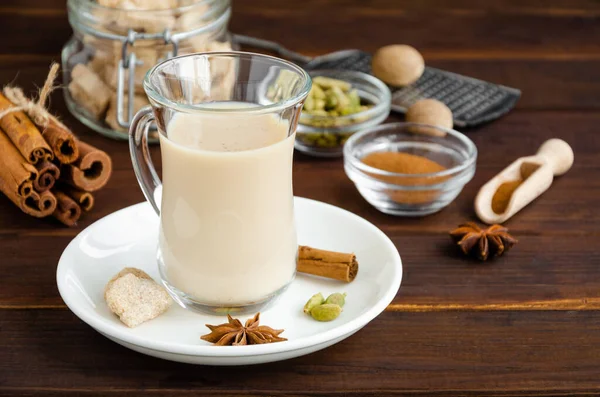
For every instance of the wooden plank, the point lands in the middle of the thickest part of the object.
(543, 272)
(553, 84)
(558, 232)
(425, 27)
(568, 304)
(540, 272)
(541, 353)
(499, 5)
(562, 224)
(525, 324)
(433, 5)
(567, 208)
(513, 29)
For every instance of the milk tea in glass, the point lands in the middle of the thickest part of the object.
(226, 124)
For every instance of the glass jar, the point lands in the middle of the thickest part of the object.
(110, 44)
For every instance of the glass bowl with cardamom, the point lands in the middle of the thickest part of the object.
(340, 103)
(409, 169)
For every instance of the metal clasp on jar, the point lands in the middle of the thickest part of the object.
(128, 62)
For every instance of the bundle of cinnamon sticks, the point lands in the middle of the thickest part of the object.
(46, 170)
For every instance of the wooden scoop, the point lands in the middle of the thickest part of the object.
(526, 178)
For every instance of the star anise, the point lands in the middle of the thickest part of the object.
(235, 334)
(483, 243)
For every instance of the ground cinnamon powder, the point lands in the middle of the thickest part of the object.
(406, 163)
(504, 193)
(402, 163)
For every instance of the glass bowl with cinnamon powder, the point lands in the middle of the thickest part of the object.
(409, 169)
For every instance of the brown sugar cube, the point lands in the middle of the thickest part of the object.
(222, 74)
(111, 3)
(146, 22)
(140, 4)
(183, 3)
(190, 20)
(98, 63)
(89, 91)
(223, 84)
(135, 297)
(155, 4)
(220, 66)
(121, 15)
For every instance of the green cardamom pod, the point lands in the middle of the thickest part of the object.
(317, 92)
(328, 82)
(331, 100)
(326, 312)
(309, 104)
(342, 100)
(319, 112)
(354, 98)
(314, 300)
(319, 104)
(337, 299)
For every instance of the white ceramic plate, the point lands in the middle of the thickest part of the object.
(128, 238)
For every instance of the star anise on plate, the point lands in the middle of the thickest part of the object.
(483, 243)
(234, 333)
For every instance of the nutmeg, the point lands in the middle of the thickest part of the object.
(432, 112)
(398, 64)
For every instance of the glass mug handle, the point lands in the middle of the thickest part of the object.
(140, 156)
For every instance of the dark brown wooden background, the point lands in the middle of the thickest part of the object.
(525, 324)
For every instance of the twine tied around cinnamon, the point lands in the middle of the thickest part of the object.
(36, 110)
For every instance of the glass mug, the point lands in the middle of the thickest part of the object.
(227, 237)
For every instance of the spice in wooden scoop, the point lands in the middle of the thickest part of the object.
(502, 197)
(524, 180)
(406, 163)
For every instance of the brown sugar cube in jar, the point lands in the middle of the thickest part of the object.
(89, 91)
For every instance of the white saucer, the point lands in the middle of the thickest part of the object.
(128, 238)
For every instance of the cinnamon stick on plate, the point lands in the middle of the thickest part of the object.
(17, 177)
(90, 171)
(24, 134)
(336, 265)
(48, 173)
(84, 199)
(61, 141)
(67, 211)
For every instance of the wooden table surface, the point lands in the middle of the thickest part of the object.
(525, 324)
